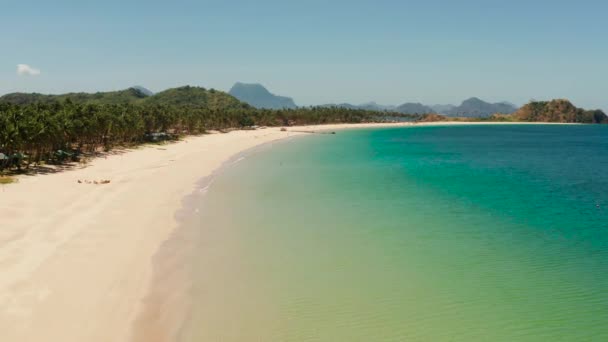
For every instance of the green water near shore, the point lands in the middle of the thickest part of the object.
(473, 233)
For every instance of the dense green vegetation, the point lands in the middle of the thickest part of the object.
(196, 97)
(432, 117)
(41, 128)
(128, 96)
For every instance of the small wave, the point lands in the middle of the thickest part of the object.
(238, 160)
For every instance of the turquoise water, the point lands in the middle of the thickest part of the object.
(472, 233)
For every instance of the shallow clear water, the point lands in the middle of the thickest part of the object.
(472, 233)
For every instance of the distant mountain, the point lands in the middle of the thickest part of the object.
(413, 108)
(473, 107)
(442, 109)
(558, 111)
(143, 90)
(375, 106)
(258, 96)
(476, 108)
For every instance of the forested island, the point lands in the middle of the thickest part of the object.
(37, 128)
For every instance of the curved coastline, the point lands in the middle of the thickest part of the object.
(166, 306)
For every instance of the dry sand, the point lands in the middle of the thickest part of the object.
(76, 259)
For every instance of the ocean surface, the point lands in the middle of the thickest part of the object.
(465, 233)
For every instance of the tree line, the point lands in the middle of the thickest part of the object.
(61, 130)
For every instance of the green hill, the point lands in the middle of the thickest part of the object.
(476, 108)
(131, 95)
(195, 97)
(558, 111)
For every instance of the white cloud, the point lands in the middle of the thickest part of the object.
(26, 70)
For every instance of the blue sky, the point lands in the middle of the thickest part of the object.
(314, 51)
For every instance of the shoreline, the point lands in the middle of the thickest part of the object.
(166, 306)
(77, 261)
